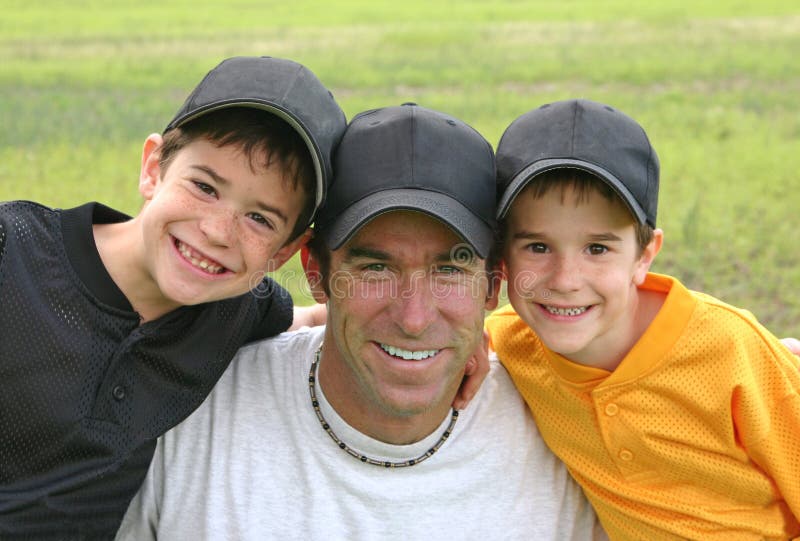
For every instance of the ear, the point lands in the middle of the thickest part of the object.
(315, 278)
(493, 293)
(642, 266)
(287, 251)
(150, 172)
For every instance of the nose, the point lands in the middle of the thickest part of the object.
(564, 275)
(416, 306)
(219, 227)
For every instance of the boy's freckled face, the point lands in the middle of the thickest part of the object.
(211, 224)
(572, 270)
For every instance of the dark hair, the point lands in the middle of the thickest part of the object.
(263, 137)
(583, 183)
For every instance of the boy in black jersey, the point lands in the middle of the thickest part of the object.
(113, 329)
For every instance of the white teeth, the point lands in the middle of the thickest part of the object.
(409, 355)
(566, 311)
(201, 263)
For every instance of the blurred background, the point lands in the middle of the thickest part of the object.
(714, 83)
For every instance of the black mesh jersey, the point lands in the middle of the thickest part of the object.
(84, 389)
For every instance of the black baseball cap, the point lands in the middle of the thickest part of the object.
(580, 134)
(411, 158)
(282, 87)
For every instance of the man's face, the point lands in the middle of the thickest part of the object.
(406, 301)
(212, 223)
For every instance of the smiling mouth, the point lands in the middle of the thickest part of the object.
(408, 355)
(199, 260)
(570, 312)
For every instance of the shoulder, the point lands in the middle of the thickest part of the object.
(732, 321)
(274, 309)
(281, 345)
(264, 311)
(723, 331)
(11, 210)
(702, 318)
(721, 311)
(268, 364)
(498, 400)
(26, 222)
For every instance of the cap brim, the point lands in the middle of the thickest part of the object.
(477, 233)
(295, 123)
(529, 173)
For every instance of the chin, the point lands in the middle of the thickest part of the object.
(563, 348)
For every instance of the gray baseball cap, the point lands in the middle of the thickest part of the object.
(282, 87)
(580, 134)
(411, 158)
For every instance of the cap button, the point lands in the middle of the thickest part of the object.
(409, 103)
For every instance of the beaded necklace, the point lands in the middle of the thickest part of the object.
(312, 377)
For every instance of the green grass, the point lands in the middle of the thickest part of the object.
(715, 83)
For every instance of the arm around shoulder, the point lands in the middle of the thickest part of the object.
(309, 316)
(275, 309)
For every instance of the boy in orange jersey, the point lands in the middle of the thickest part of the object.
(679, 415)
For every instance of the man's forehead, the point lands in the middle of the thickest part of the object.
(395, 222)
(397, 229)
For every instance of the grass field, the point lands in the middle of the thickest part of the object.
(715, 84)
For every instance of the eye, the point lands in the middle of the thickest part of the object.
(261, 220)
(597, 249)
(449, 270)
(374, 267)
(205, 188)
(537, 247)
(374, 273)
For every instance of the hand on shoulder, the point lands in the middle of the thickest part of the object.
(793, 344)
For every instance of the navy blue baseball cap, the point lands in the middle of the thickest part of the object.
(580, 134)
(411, 158)
(282, 87)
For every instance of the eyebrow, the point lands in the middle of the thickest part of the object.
(359, 252)
(453, 256)
(225, 182)
(530, 235)
(606, 237)
(533, 235)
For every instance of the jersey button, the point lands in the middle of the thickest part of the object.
(625, 455)
(612, 409)
(118, 393)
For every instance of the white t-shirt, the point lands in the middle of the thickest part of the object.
(253, 462)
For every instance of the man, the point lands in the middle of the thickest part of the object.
(346, 431)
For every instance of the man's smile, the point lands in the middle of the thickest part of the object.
(409, 355)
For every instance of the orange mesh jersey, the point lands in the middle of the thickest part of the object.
(695, 435)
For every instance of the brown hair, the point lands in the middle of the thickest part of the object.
(263, 137)
(583, 184)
